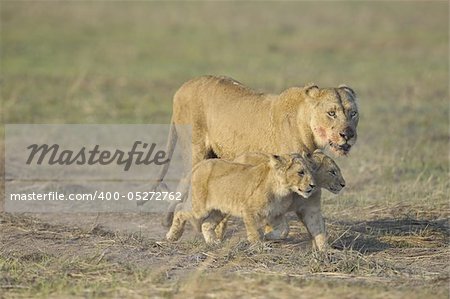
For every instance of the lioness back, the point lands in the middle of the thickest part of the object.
(259, 122)
(252, 158)
(211, 103)
(219, 86)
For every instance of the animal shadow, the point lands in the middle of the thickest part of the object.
(382, 234)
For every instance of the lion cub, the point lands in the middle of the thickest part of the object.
(327, 175)
(257, 193)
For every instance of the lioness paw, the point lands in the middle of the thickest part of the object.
(172, 237)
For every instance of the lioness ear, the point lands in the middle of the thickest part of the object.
(347, 89)
(276, 161)
(312, 90)
(306, 155)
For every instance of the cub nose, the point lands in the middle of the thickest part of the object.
(312, 186)
(347, 133)
(342, 185)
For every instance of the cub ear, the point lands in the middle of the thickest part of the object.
(312, 90)
(347, 89)
(317, 156)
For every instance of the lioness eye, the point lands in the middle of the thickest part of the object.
(353, 113)
(301, 173)
(332, 113)
(333, 172)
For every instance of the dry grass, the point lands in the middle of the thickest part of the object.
(40, 259)
(101, 62)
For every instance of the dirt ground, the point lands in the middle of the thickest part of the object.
(125, 255)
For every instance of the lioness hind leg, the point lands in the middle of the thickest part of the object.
(183, 188)
(199, 153)
(209, 225)
(168, 218)
(179, 221)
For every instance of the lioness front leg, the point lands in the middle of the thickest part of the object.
(277, 228)
(253, 226)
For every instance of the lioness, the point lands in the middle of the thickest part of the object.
(229, 119)
(257, 193)
(327, 175)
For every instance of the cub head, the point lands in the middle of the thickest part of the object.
(326, 172)
(292, 174)
(334, 117)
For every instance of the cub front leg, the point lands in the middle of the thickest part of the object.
(209, 226)
(315, 225)
(253, 226)
(221, 227)
(310, 214)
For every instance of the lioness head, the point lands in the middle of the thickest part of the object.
(293, 174)
(326, 172)
(334, 117)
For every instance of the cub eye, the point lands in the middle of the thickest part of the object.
(353, 113)
(301, 173)
(332, 113)
(333, 173)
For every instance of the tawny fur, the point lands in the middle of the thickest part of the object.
(327, 175)
(257, 193)
(229, 119)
